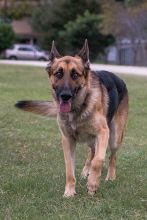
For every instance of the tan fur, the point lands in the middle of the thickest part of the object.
(82, 126)
(87, 122)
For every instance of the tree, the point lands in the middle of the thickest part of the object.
(68, 23)
(6, 36)
(17, 9)
(86, 26)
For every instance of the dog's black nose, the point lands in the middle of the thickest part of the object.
(65, 96)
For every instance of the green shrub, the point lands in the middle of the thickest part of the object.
(6, 36)
(86, 26)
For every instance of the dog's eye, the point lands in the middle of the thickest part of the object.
(74, 75)
(59, 74)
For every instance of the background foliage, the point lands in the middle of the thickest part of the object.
(69, 23)
(6, 36)
(106, 21)
(86, 26)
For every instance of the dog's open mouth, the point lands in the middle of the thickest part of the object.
(65, 106)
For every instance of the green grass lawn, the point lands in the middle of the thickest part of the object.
(32, 174)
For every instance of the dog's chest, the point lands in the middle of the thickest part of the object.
(82, 131)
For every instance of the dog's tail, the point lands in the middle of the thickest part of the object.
(44, 108)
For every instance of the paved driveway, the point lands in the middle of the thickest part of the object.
(132, 70)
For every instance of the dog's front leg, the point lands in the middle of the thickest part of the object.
(101, 144)
(69, 157)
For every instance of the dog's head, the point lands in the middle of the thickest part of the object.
(68, 75)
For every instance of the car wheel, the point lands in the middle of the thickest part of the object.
(12, 58)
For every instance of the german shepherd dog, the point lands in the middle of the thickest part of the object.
(90, 106)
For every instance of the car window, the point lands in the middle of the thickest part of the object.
(25, 49)
(38, 48)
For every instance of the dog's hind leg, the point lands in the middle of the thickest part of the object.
(117, 127)
(86, 169)
(113, 143)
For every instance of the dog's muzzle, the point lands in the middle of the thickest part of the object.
(65, 96)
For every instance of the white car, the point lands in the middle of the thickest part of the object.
(25, 52)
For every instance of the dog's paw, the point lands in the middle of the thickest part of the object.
(69, 192)
(91, 189)
(85, 173)
(92, 185)
(111, 175)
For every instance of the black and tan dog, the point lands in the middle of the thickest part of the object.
(90, 107)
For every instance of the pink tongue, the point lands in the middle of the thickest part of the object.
(65, 107)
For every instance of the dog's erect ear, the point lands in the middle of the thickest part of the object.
(84, 54)
(53, 54)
